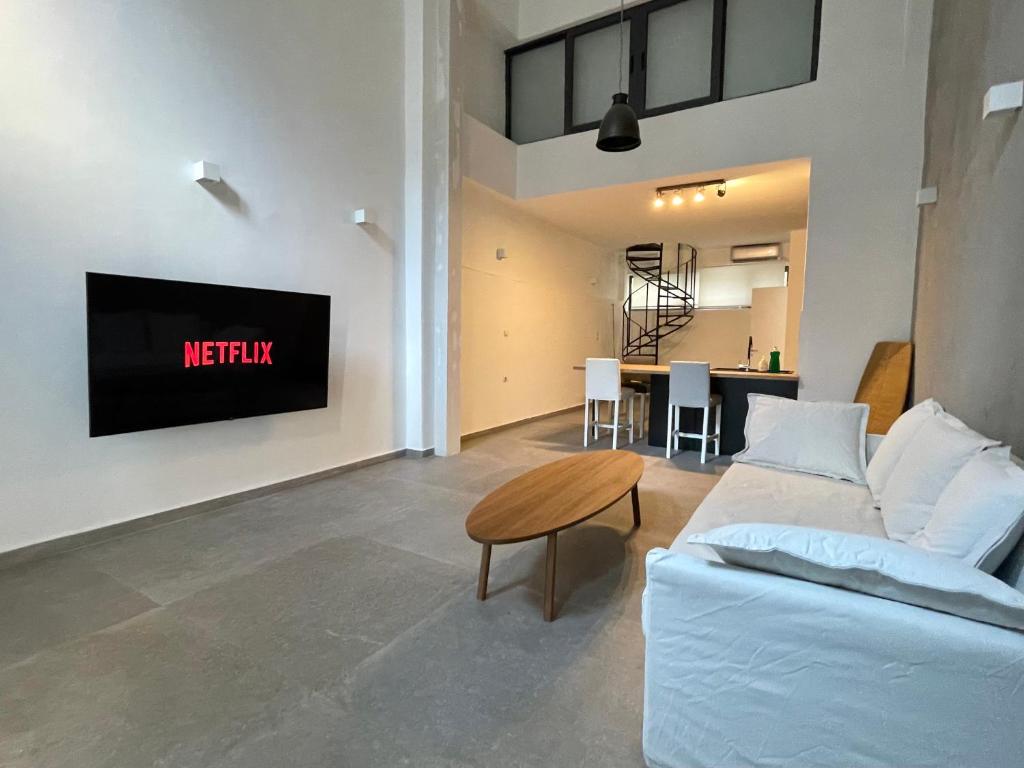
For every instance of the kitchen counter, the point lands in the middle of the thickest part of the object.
(733, 386)
(716, 373)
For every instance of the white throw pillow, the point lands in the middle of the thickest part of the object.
(894, 443)
(818, 438)
(941, 446)
(978, 516)
(870, 565)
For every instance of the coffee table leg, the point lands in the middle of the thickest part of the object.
(549, 578)
(485, 565)
(636, 507)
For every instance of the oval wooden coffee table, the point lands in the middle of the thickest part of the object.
(549, 499)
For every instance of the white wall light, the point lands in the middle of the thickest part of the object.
(1003, 97)
(205, 171)
(362, 216)
(927, 195)
(500, 254)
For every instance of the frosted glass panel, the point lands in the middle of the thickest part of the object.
(596, 72)
(731, 286)
(538, 93)
(679, 52)
(767, 45)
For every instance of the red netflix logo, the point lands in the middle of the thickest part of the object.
(227, 353)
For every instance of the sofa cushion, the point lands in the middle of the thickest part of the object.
(821, 438)
(940, 447)
(752, 494)
(870, 565)
(883, 462)
(978, 516)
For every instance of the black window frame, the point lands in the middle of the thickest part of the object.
(637, 16)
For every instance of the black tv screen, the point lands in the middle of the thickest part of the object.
(163, 353)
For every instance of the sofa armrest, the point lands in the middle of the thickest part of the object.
(750, 668)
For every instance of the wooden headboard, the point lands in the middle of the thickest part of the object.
(885, 383)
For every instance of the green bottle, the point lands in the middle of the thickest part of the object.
(774, 361)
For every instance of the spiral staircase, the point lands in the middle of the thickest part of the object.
(660, 298)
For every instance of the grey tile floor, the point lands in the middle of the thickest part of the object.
(335, 624)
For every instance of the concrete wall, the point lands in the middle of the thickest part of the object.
(105, 106)
(860, 123)
(969, 313)
(527, 320)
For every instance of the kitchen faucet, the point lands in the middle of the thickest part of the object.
(750, 349)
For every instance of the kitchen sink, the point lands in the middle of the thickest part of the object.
(746, 370)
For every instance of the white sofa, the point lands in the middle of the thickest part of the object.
(745, 667)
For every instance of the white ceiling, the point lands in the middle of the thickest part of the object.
(762, 204)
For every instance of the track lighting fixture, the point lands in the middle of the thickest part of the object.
(675, 192)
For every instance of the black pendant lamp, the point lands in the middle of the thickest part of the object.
(619, 131)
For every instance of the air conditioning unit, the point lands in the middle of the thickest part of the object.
(758, 252)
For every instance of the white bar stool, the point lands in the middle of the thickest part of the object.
(604, 384)
(689, 386)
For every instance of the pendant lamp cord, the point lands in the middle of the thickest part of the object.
(622, 15)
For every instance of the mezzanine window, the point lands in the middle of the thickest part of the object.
(677, 54)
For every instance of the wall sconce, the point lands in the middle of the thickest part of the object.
(1002, 98)
(204, 171)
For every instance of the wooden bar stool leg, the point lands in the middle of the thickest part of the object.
(636, 506)
(549, 578)
(485, 566)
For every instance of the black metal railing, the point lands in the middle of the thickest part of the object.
(674, 290)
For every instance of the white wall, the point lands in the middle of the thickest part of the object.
(537, 17)
(860, 122)
(542, 296)
(105, 105)
(489, 28)
(488, 157)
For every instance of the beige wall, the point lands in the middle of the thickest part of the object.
(528, 319)
(968, 315)
(768, 321)
(796, 252)
(718, 336)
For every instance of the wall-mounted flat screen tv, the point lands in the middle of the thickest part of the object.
(164, 353)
